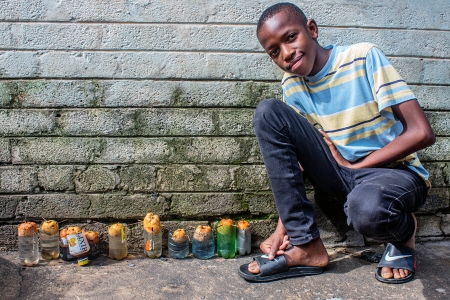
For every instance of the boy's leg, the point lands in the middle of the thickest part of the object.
(285, 138)
(382, 204)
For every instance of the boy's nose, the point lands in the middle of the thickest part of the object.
(288, 52)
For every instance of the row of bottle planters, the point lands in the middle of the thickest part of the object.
(73, 243)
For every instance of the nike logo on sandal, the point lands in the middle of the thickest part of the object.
(391, 258)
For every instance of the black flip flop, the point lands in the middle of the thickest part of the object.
(276, 269)
(397, 257)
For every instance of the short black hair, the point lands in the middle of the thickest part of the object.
(271, 11)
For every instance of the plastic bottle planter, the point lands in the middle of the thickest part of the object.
(28, 244)
(49, 235)
(117, 235)
(178, 244)
(226, 241)
(203, 243)
(78, 245)
(64, 246)
(243, 238)
(93, 240)
(152, 235)
(244, 242)
(152, 244)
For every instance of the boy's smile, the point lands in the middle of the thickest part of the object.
(292, 44)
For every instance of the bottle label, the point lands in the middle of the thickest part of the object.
(78, 243)
(150, 245)
(124, 238)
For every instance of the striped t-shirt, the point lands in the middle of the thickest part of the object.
(351, 99)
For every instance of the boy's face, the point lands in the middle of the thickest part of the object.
(291, 44)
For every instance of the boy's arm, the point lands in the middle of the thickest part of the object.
(417, 134)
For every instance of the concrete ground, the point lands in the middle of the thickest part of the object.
(137, 277)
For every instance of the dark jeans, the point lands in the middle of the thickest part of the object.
(378, 202)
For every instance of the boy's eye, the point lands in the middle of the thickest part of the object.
(273, 52)
(291, 36)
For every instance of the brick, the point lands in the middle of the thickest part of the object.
(137, 178)
(56, 178)
(195, 178)
(126, 207)
(438, 198)
(18, 179)
(53, 36)
(418, 70)
(432, 97)
(253, 178)
(54, 206)
(439, 173)
(5, 151)
(54, 150)
(95, 179)
(428, 226)
(19, 64)
(8, 205)
(440, 121)
(261, 204)
(202, 205)
(50, 93)
(26, 122)
(437, 152)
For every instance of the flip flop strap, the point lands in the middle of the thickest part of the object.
(269, 267)
(398, 257)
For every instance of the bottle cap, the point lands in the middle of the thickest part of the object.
(83, 261)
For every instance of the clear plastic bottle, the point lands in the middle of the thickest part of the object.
(49, 235)
(152, 244)
(28, 244)
(117, 234)
(49, 246)
(178, 244)
(203, 243)
(152, 235)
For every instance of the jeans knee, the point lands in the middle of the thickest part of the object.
(266, 109)
(267, 106)
(367, 216)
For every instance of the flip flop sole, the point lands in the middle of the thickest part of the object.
(292, 272)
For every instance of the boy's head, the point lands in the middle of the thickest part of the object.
(289, 38)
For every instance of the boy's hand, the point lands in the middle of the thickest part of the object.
(275, 245)
(334, 151)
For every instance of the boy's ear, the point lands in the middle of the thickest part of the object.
(312, 28)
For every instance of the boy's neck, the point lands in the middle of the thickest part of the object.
(322, 57)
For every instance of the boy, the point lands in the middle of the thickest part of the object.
(351, 123)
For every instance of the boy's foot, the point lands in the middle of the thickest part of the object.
(387, 272)
(312, 254)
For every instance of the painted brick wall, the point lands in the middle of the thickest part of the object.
(110, 109)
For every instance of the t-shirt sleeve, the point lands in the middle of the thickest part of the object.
(388, 87)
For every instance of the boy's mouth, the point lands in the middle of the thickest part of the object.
(295, 62)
